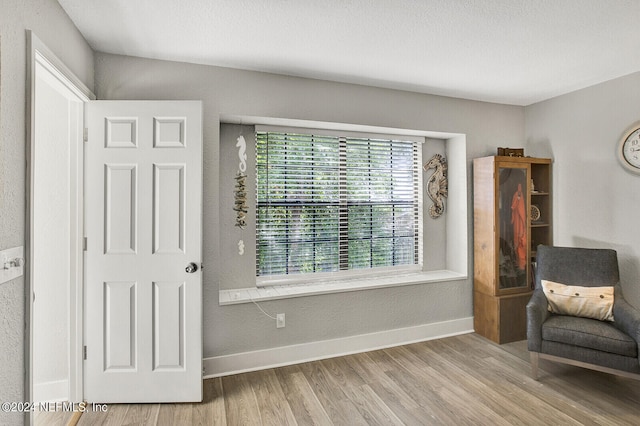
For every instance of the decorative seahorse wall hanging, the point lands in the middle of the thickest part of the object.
(240, 193)
(437, 186)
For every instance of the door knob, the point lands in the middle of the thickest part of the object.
(191, 268)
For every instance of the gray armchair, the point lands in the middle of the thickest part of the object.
(611, 347)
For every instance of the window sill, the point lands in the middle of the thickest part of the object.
(257, 294)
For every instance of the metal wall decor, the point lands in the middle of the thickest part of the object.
(437, 185)
(240, 193)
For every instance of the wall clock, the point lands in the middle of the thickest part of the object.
(629, 149)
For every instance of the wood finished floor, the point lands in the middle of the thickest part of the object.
(462, 380)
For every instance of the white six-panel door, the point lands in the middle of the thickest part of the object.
(143, 195)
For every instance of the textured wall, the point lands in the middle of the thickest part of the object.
(240, 328)
(50, 23)
(596, 202)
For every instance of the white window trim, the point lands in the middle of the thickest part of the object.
(456, 250)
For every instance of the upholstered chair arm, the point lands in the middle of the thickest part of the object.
(626, 317)
(537, 313)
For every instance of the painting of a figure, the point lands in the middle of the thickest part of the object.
(513, 227)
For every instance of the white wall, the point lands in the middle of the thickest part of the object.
(596, 202)
(240, 328)
(57, 134)
(47, 19)
(51, 235)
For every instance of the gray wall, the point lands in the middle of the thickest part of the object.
(596, 202)
(241, 328)
(51, 24)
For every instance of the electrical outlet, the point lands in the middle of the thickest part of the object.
(280, 321)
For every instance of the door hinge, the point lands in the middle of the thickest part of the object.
(85, 134)
(84, 244)
(84, 352)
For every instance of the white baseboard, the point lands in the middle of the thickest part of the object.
(51, 391)
(226, 365)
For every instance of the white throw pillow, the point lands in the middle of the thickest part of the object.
(588, 302)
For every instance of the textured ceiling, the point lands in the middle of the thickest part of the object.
(508, 51)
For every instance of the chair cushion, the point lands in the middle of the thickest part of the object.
(588, 302)
(588, 333)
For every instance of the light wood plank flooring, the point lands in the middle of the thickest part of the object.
(462, 380)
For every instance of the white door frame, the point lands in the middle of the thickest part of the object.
(38, 53)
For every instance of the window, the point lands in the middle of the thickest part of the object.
(331, 203)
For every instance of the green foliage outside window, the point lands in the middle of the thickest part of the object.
(326, 204)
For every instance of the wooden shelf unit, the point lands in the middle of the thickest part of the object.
(505, 238)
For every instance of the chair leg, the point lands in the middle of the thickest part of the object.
(534, 365)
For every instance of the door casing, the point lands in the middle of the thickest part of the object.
(40, 56)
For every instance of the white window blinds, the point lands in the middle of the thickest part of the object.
(335, 203)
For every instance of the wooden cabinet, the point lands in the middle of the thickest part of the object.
(512, 214)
